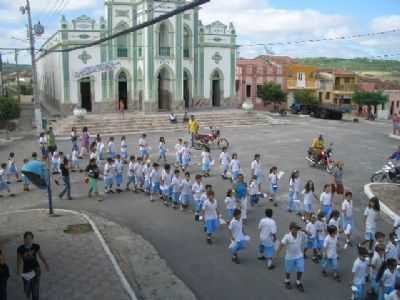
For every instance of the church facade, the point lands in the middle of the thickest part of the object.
(176, 64)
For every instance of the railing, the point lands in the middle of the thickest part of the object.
(345, 87)
(122, 52)
(165, 51)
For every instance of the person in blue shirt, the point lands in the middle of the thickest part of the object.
(395, 155)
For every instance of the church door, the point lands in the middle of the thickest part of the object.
(186, 89)
(164, 93)
(123, 89)
(86, 94)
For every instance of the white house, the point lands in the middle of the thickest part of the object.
(176, 64)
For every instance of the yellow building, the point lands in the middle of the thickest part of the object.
(336, 87)
(300, 77)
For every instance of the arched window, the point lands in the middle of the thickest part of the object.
(139, 43)
(165, 39)
(187, 42)
(122, 46)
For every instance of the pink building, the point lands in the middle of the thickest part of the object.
(394, 101)
(251, 74)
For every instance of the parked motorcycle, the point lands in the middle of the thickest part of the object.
(213, 138)
(388, 173)
(322, 160)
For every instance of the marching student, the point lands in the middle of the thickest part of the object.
(326, 201)
(240, 188)
(146, 173)
(210, 215)
(99, 150)
(75, 160)
(155, 179)
(268, 231)
(186, 191)
(234, 167)
(224, 160)
(162, 150)
(56, 162)
(254, 191)
(309, 199)
(330, 260)
(178, 153)
(203, 198)
(186, 156)
(273, 184)
(294, 192)
(378, 258)
(43, 144)
(311, 230)
(176, 186)
(388, 279)
(198, 190)
(143, 147)
(25, 180)
(231, 203)
(392, 250)
(139, 174)
(166, 183)
(294, 258)
(360, 273)
(111, 149)
(320, 226)
(206, 162)
(347, 217)
(238, 239)
(371, 214)
(124, 149)
(335, 219)
(256, 170)
(119, 173)
(12, 169)
(108, 176)
(3, 181)
(131, 174)
(395, 295)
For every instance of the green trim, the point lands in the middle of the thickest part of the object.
(134, 55)
(233, 72)
(65, 66)
(179, 58)
(196, 87)
(110, 52)
(218, 45)
(201, 75)
(150, 57)
(82, 30)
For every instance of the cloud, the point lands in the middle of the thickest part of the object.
(8, 16)
(385, 23)
(49, 7)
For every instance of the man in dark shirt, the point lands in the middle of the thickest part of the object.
(27, 255)
(92, 171)
(65, 176)
(4, 275)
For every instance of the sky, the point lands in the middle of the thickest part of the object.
(256, 21)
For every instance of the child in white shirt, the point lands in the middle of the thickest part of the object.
(143, 147)
(111, 148)
(224, 161)
(378, 259)
(186, 192)
(3, 181)
(206, 162)
(131, 174)
(238, 239)
(178, 153)
(55, 163)
(176, 186)
(124, 149)
(371, 213)
(360, 272)
(234, 167)
(186, 156)
(147, 181)
(155, 179)
(162, 150)
(309, 198)
(330, 252)
(210, 215)
(198, 190)
(12, 169)
(347, 217)
(254, 192)
(108, 176)
(273, 184)
(256, 170)
(268, 230)
(388, 278)
(231, 203)
(326, 201)
(139, 175)
(311, 230)
(119, 173)
(166, 184)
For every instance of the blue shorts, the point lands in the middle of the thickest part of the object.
(143, 153)
(155, 188)
(254, 199)
(294, 265)
(237, 246)
(198, 206)
(179, 159)
(139, 180)
(111, 155)
(185, 163)
(369, 236)
(230, 213)
(273, 188)
(311, 243)
(25, 180)
(267, 251)
(360, 291)
(175, 197)
(330, 264)
(163, 153)
(12, 170)
(131, 180)
(235, 175)
(319, 243)
(185, 199)
(147, 185)
(3, 185)
(347, 221)
(211, 225)
(119, 179)
(168, 192)
(327, 210)
(206, 166)
(308, 208)
(124, 154)
(225, 168)
(108, 181)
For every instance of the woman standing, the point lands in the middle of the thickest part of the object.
(337, 185)
(27, 256)
(74, 139)
(85, 141)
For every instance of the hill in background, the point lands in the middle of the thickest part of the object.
(9, 68)
(375, 68)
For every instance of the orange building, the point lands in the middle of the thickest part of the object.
(300, 77)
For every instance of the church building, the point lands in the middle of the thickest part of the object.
(176, 64)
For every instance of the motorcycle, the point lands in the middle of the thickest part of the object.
(388, 173)
(213, 138)
(322, 160)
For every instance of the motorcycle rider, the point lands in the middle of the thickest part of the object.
(317, 146)
(395, 156)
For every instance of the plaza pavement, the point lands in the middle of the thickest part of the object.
(207, 270)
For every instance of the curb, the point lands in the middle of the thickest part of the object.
(125, 283)
(394, 136)
(385, 209)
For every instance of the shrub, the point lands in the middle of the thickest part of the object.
(9, 109)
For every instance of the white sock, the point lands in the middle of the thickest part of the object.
(269, 262)
(298, 282)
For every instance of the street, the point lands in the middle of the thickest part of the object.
(207, 269)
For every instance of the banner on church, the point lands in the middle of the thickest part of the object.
(103, 67)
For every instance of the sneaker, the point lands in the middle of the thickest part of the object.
(300, 287)
(271, 267)
(288, 285)
(261, 258)
(209, 241)
(235, 259)
(345, 246)
(337, 277)
(324, 273)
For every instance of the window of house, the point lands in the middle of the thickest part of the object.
(237, 83)
(259, 90)
(165, 40)
(327, 95)
(122, 46)
(248, 91)
(397, 104)
(300, 76)
(186, 42)
(139, 43)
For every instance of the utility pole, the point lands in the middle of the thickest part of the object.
(1, 76)
(38, 112)
(17, 70)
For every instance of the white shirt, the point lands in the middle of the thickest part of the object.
(309, 198)
(155, 176)
(370, 222)
(360, 270)
(235, 165)
(186, 187)
(294, 245)
(100, 147)
(388, 278)
(124, 146)
(205, 157)
(176, 184)
(166, 178)
(236, 228)
(197, 189)
(268, 229)
(178, 148)
(224, 158)
(230, 203)
(396, 227)
(391, 251)
(2, 172)
(142, 144)
(138, 170)
(119, 167)
(376, 263)
(253, 188)
(273, 178)
(330, 246)
(131, 169)
(42, 140)
(185, 153)
(111, 147)
(92, 155)
(393, 296)
(108, 170)
(347, 208)
(311, 230)
(333, 222)
(325, 198)
(255, 168)
(321, 229)
(210, 210)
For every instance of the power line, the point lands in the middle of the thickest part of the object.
(300, 42)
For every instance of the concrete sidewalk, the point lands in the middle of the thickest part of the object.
(79, 267)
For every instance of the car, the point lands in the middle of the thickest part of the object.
(327, 112)
(297, 108)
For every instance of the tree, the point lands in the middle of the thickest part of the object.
(272, 92)
(369, 99)
(9, 110)
(306, 98)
